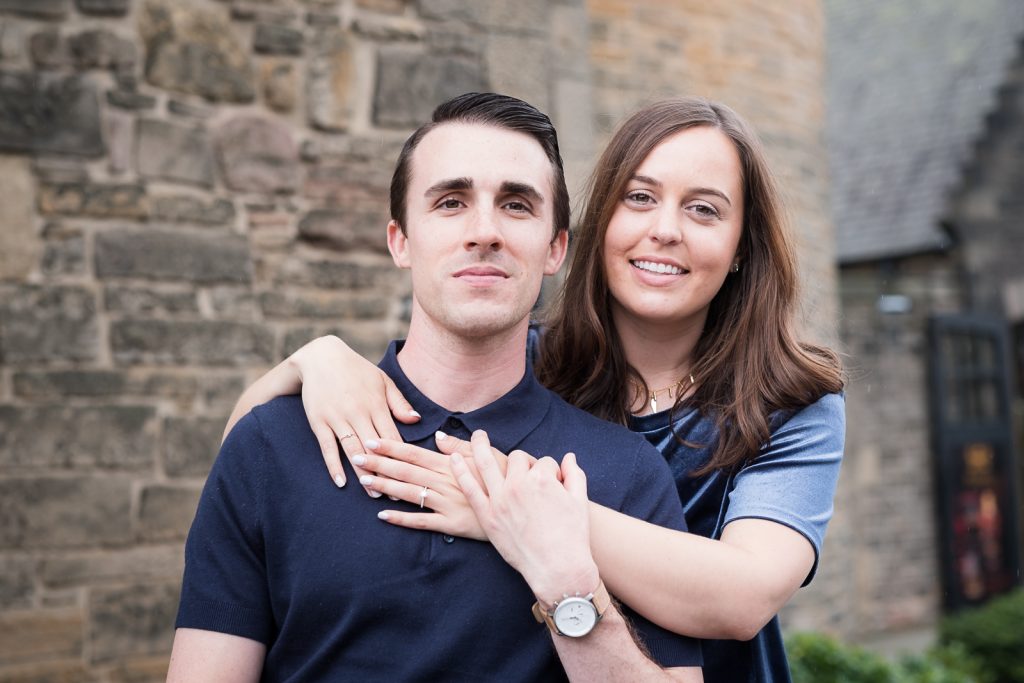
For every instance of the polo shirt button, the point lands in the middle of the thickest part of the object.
(449, 539)
(452, 423)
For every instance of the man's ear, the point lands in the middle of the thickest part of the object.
(398, 245)
(556, 252)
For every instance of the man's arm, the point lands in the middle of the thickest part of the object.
(208, 656)
(553, 561)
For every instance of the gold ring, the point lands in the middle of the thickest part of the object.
(349, 435)
(423, 496)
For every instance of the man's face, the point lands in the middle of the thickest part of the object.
(479, 218)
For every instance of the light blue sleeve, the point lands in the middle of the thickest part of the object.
(793, 480)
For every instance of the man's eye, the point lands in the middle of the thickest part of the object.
(450, 203)
(518, 207)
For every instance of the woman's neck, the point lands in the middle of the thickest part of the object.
(662, 355)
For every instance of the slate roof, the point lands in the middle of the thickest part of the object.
(909, 85)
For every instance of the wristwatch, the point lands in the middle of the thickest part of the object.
(575, 616)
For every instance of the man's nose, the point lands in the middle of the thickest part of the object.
(484, 231)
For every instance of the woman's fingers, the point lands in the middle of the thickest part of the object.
(471, 488)
(352, 445)
(448, 444)
(329, 449)
(399, 490)
(409, 453)
(400, 408)
(402, 471)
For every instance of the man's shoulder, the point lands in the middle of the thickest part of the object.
(279, 421)
(611, 438)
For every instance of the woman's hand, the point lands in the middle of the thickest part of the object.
(539, 524)
(347, 400)
(402, 471)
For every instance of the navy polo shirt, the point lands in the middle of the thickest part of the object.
(279, 555)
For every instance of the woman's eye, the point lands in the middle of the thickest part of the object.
(705, 210)
(639, 197)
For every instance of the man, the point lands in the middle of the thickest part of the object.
(285, 579)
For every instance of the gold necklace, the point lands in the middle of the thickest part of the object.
(652, 396)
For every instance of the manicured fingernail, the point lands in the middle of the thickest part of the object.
(359, 460)
(366, 480)
(393, 498)
(372, 444)
(441, 436)
(414, 413)
(383, 514)
(339, 480)
(374, 494)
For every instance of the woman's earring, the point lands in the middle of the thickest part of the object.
(735, 267)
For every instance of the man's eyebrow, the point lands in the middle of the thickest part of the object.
(647, 180)
(449, 185)
(524, 189)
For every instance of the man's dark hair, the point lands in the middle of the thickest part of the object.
(491, 109)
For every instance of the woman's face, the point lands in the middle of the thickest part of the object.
(673, 237)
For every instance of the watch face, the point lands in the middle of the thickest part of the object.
(575, 617)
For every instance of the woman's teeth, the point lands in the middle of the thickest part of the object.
(652, 267)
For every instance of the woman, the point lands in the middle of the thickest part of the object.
(676, 320)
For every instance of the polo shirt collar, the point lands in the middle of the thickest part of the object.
(507, 421)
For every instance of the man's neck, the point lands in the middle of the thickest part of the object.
(463, 374)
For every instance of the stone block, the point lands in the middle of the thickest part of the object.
(103, 8)
(312, 304)
(330, 80)
(233, 303)
(190, 445)
(49, 672)
(88, 568)
(172, 152)
(43, 9)
(131, 100)
(101, 49)
(189, 109)
(520, 66)
(200, 342)
(388, 28)
(86, 511)
(345, 230)
(170, 255)
(258, 154)
(334, 274)
(142, 301)
(193, 210)
(30, 635)
(350, 184)
(132, 620)
(454, 10)
(54, 384)
(274, 39)
(278, 81)
(166, 512)
(17, 581)
(117, 437)
(94, 200)
(20, 246)
(48, 50)
(47, 324)
(120, 127)
(410, 84)
(369, 341)
(221, 391)
(151, 669)
(384, 6)
(195, 50)
(48, 113)
(64, 256)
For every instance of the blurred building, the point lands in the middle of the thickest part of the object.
(193, 188)
(926, 147)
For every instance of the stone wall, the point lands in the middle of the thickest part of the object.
(193, 188)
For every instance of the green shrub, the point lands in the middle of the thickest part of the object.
(814, 658)
(993, 634)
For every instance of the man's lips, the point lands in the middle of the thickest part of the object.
(481, 272)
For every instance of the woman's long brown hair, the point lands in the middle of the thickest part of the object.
(748, 361)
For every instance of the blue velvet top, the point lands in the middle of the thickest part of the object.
(791, 482)
(279, 555)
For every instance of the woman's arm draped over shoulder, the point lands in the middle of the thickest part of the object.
(730, 588)
(347, 399)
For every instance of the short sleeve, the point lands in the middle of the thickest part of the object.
(793, 480)
(225, 585)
